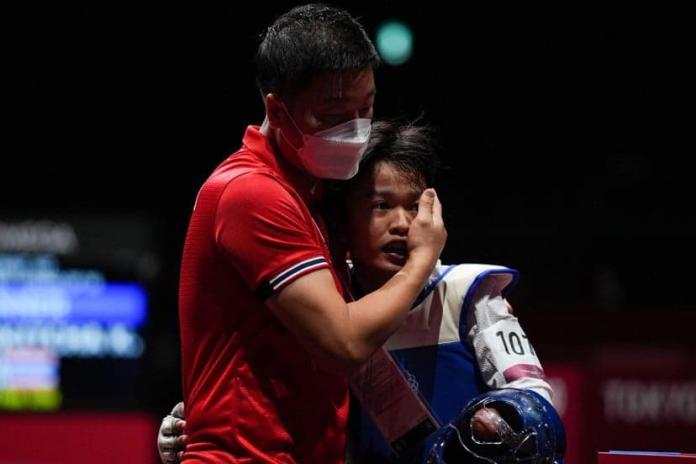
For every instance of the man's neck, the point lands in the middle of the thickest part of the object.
(308, 184)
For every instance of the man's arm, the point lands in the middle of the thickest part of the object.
(341, 335)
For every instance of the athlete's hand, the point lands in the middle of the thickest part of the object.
(427, 234)
(171, 439)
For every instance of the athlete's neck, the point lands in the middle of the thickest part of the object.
(367, 281)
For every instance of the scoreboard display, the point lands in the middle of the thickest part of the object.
(73, 306)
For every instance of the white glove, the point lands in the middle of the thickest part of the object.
(171, 439)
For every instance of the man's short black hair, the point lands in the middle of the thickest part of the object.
(307, 41)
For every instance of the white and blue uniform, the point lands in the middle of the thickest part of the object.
(460, 339)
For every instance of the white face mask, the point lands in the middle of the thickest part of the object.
(334, 153)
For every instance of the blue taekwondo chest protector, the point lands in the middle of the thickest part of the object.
(429, 349)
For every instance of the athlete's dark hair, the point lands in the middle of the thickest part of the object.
(409, 147)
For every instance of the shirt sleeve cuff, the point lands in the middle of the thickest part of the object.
(290, 274)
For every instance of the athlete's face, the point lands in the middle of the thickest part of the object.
(380, 208)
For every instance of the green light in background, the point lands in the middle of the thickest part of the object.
(394, 42)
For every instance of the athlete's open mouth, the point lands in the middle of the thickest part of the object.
(396, 251)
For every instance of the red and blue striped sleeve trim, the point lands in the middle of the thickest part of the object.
(266, 289)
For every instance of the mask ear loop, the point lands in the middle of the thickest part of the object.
(294, 124)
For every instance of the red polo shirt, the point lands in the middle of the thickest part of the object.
(252, 392)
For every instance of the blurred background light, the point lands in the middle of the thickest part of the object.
(394, 42)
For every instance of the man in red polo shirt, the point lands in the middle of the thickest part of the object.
(268, 338)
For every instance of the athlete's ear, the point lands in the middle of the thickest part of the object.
(275, 111)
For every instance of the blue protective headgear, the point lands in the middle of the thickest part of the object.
(531, 432)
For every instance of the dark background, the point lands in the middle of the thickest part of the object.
(567, 138)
